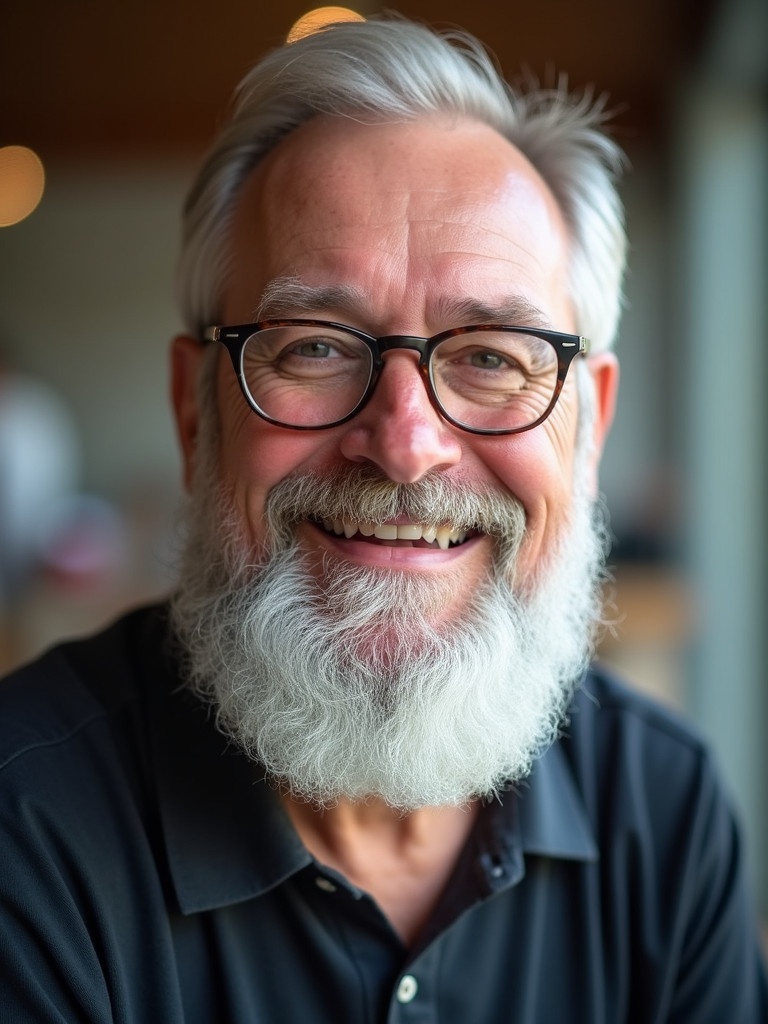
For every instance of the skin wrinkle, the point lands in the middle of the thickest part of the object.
(548, 214)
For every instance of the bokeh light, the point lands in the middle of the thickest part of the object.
(22, 181)
(319, 18)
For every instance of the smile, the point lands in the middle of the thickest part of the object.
(442, 537)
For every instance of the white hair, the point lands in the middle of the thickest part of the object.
(354, 689)
(389, 70)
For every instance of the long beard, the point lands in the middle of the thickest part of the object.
(354, 688)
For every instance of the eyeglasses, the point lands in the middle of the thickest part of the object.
(485, 378)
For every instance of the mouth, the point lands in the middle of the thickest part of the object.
(405, 534)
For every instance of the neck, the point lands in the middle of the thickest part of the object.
(402, 860)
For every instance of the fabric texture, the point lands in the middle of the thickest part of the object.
(149, 873)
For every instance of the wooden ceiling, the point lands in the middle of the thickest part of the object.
(92, 79)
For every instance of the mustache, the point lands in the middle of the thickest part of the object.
(363, 494)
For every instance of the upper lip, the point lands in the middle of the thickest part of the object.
(444, 535)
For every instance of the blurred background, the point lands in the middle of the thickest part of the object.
(119, 101)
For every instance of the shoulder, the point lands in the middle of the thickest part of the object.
(83, 889)
(644, 772)
(658, 807)
(77, 687)
(75, 756)
(616, 723)
(670, 847)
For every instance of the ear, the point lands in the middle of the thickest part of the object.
(186, 361)
(604, 371)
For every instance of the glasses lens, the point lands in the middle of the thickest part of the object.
(494, 380)
(306, 376)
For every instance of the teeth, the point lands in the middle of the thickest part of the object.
(409, 531)
(444, 535)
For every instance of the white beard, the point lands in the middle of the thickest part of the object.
(351, 690)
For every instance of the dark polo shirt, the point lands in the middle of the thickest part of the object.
(148, 874)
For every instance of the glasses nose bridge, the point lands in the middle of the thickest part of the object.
(392, 342)
(408, 343)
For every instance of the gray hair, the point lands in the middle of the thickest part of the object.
(391, 70)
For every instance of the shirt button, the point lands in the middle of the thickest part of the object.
(325, 884)
(407, 988)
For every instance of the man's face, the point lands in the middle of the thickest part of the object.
(406, 229)
(325, 658)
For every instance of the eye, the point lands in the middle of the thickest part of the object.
(484, 359)
(313, 348)
(487, 362)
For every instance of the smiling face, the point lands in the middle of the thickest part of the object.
(406, 229)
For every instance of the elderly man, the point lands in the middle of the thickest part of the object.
(358, 768)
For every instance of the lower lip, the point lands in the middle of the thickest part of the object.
(390, 554)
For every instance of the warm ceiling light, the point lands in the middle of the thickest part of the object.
(22, 180)
(320, 18)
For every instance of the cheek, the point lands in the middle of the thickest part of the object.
(254, 456)
(537, 468)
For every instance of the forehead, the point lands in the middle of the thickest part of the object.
(411, 213)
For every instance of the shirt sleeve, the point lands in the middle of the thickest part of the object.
(722, 975)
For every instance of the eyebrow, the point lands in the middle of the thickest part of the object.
(512, 309)
(286, 297)
(290, 297)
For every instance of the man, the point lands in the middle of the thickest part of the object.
(416, 805)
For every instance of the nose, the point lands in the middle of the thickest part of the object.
(399, 430)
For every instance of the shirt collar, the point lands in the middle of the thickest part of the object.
(553, 818)
(227, 836)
